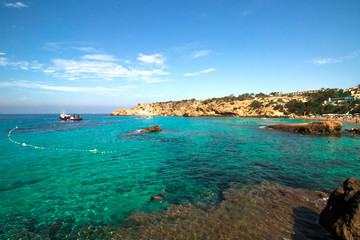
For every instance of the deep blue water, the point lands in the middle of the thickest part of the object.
(50, 171)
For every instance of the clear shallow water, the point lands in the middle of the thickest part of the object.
(194, 159)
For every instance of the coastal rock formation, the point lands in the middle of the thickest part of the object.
(341, 216)
(266, 211)
(326, 127)
(212, 107)
(151, 129)
(353, 130)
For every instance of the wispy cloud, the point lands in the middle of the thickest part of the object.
(156, 59)
(16, 5)
(86, 69)
(245, 13)
(43, 86)
(86, 49)
(201, 53)
(200, 72)
(66, 46)
(91, 69)
(94, 67)
(24, 65)
(3, 61)
(1, 53)
(324, 61)
(100, 57)
(156, 80)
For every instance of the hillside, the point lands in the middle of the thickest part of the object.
(228, 106)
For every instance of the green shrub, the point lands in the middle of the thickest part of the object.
(255, 104)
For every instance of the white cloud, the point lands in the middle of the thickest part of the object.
(1, 53)
(16, 5)
(43, 86)
(24, 65)
(91, 67)
(86, 49)
(323, 61)
(87, 69)
(107, 70)
(157, 80)
(201, 53)
(100, 57)
(3, 61)
(156, 59)
(200, 72)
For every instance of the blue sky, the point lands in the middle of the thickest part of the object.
(92, 56)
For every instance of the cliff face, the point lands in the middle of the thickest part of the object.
(210, 107)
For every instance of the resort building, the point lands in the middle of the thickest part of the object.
(301, 92)
(341, 99)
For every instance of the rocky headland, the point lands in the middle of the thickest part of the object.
(216, 107)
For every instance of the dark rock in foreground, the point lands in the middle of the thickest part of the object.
(341, 216)
(151, 129)
(325, 128)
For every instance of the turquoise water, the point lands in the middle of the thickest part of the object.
(60, 178)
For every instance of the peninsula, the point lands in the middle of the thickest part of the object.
(305, 103)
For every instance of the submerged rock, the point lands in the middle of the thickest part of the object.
(341, 216)
(326, 127)
(156, 128)
(267, 211)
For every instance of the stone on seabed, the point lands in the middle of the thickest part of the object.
(151, 129)
(341, 216)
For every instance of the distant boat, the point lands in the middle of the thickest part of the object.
(67, 117)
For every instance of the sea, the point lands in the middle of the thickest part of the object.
(58, 177)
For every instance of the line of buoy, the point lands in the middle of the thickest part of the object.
(55, 149)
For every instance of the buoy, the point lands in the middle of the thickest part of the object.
(55, 149)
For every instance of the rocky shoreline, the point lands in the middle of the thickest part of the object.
(269, 107)
(257, 107)
(265, 211)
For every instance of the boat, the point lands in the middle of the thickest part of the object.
(67, 117)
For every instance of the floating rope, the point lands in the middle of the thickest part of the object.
(55, 149)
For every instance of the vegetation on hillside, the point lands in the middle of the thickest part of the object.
(316, 105)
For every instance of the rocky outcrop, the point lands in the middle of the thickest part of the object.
(151, 129)
(341, 216)
(267, 211)
(326, 127)
(353, 130)
(211, 107)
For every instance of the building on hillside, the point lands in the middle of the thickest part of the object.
(355, 92)
(301, 92)
(340, 99)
